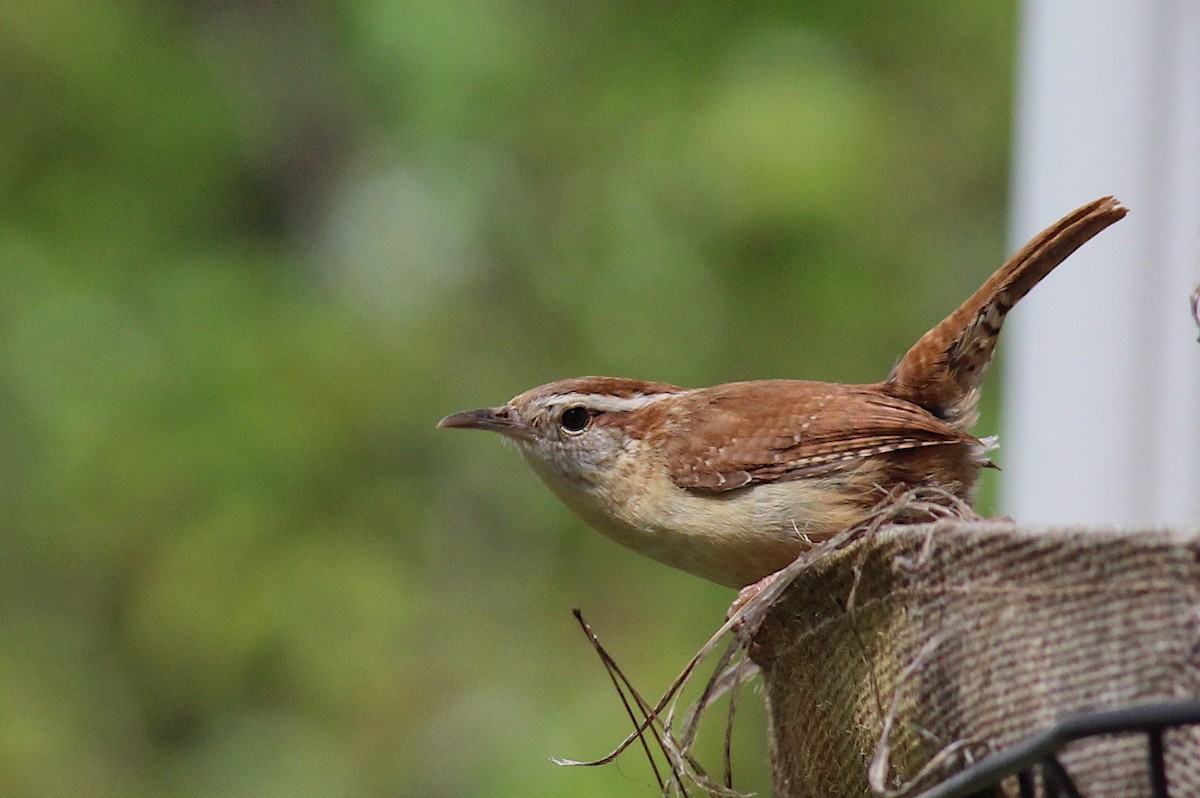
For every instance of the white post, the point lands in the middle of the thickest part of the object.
(1102, 402)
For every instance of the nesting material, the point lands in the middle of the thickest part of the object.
(901, 654)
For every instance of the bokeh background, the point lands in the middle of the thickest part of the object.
(252, 251)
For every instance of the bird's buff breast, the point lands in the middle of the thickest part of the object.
(733, 538)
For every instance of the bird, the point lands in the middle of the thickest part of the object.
(732, 482)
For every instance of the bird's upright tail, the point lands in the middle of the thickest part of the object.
(942, 371)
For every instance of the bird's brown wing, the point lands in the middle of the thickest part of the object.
(729, 436)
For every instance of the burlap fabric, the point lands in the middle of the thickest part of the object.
(915, 650)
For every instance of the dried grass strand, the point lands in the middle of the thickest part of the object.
(734, 665)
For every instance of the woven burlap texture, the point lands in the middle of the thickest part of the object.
(910, 652)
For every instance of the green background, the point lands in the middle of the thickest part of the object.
(252, 252)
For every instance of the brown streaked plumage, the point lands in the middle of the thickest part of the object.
(942, 371)
(729, 436)
(731, 482)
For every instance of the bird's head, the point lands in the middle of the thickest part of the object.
(574, 429)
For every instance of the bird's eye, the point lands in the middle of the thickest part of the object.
(575, 419)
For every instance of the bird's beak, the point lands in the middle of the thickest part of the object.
(504, 420)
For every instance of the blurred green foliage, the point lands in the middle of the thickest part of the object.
(253, 251)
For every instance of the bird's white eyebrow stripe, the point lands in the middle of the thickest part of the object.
(612, 404)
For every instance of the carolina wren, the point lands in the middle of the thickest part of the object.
(732, 482)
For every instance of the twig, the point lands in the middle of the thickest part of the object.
(1196, 307)
(905, 506)
(618, 679)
